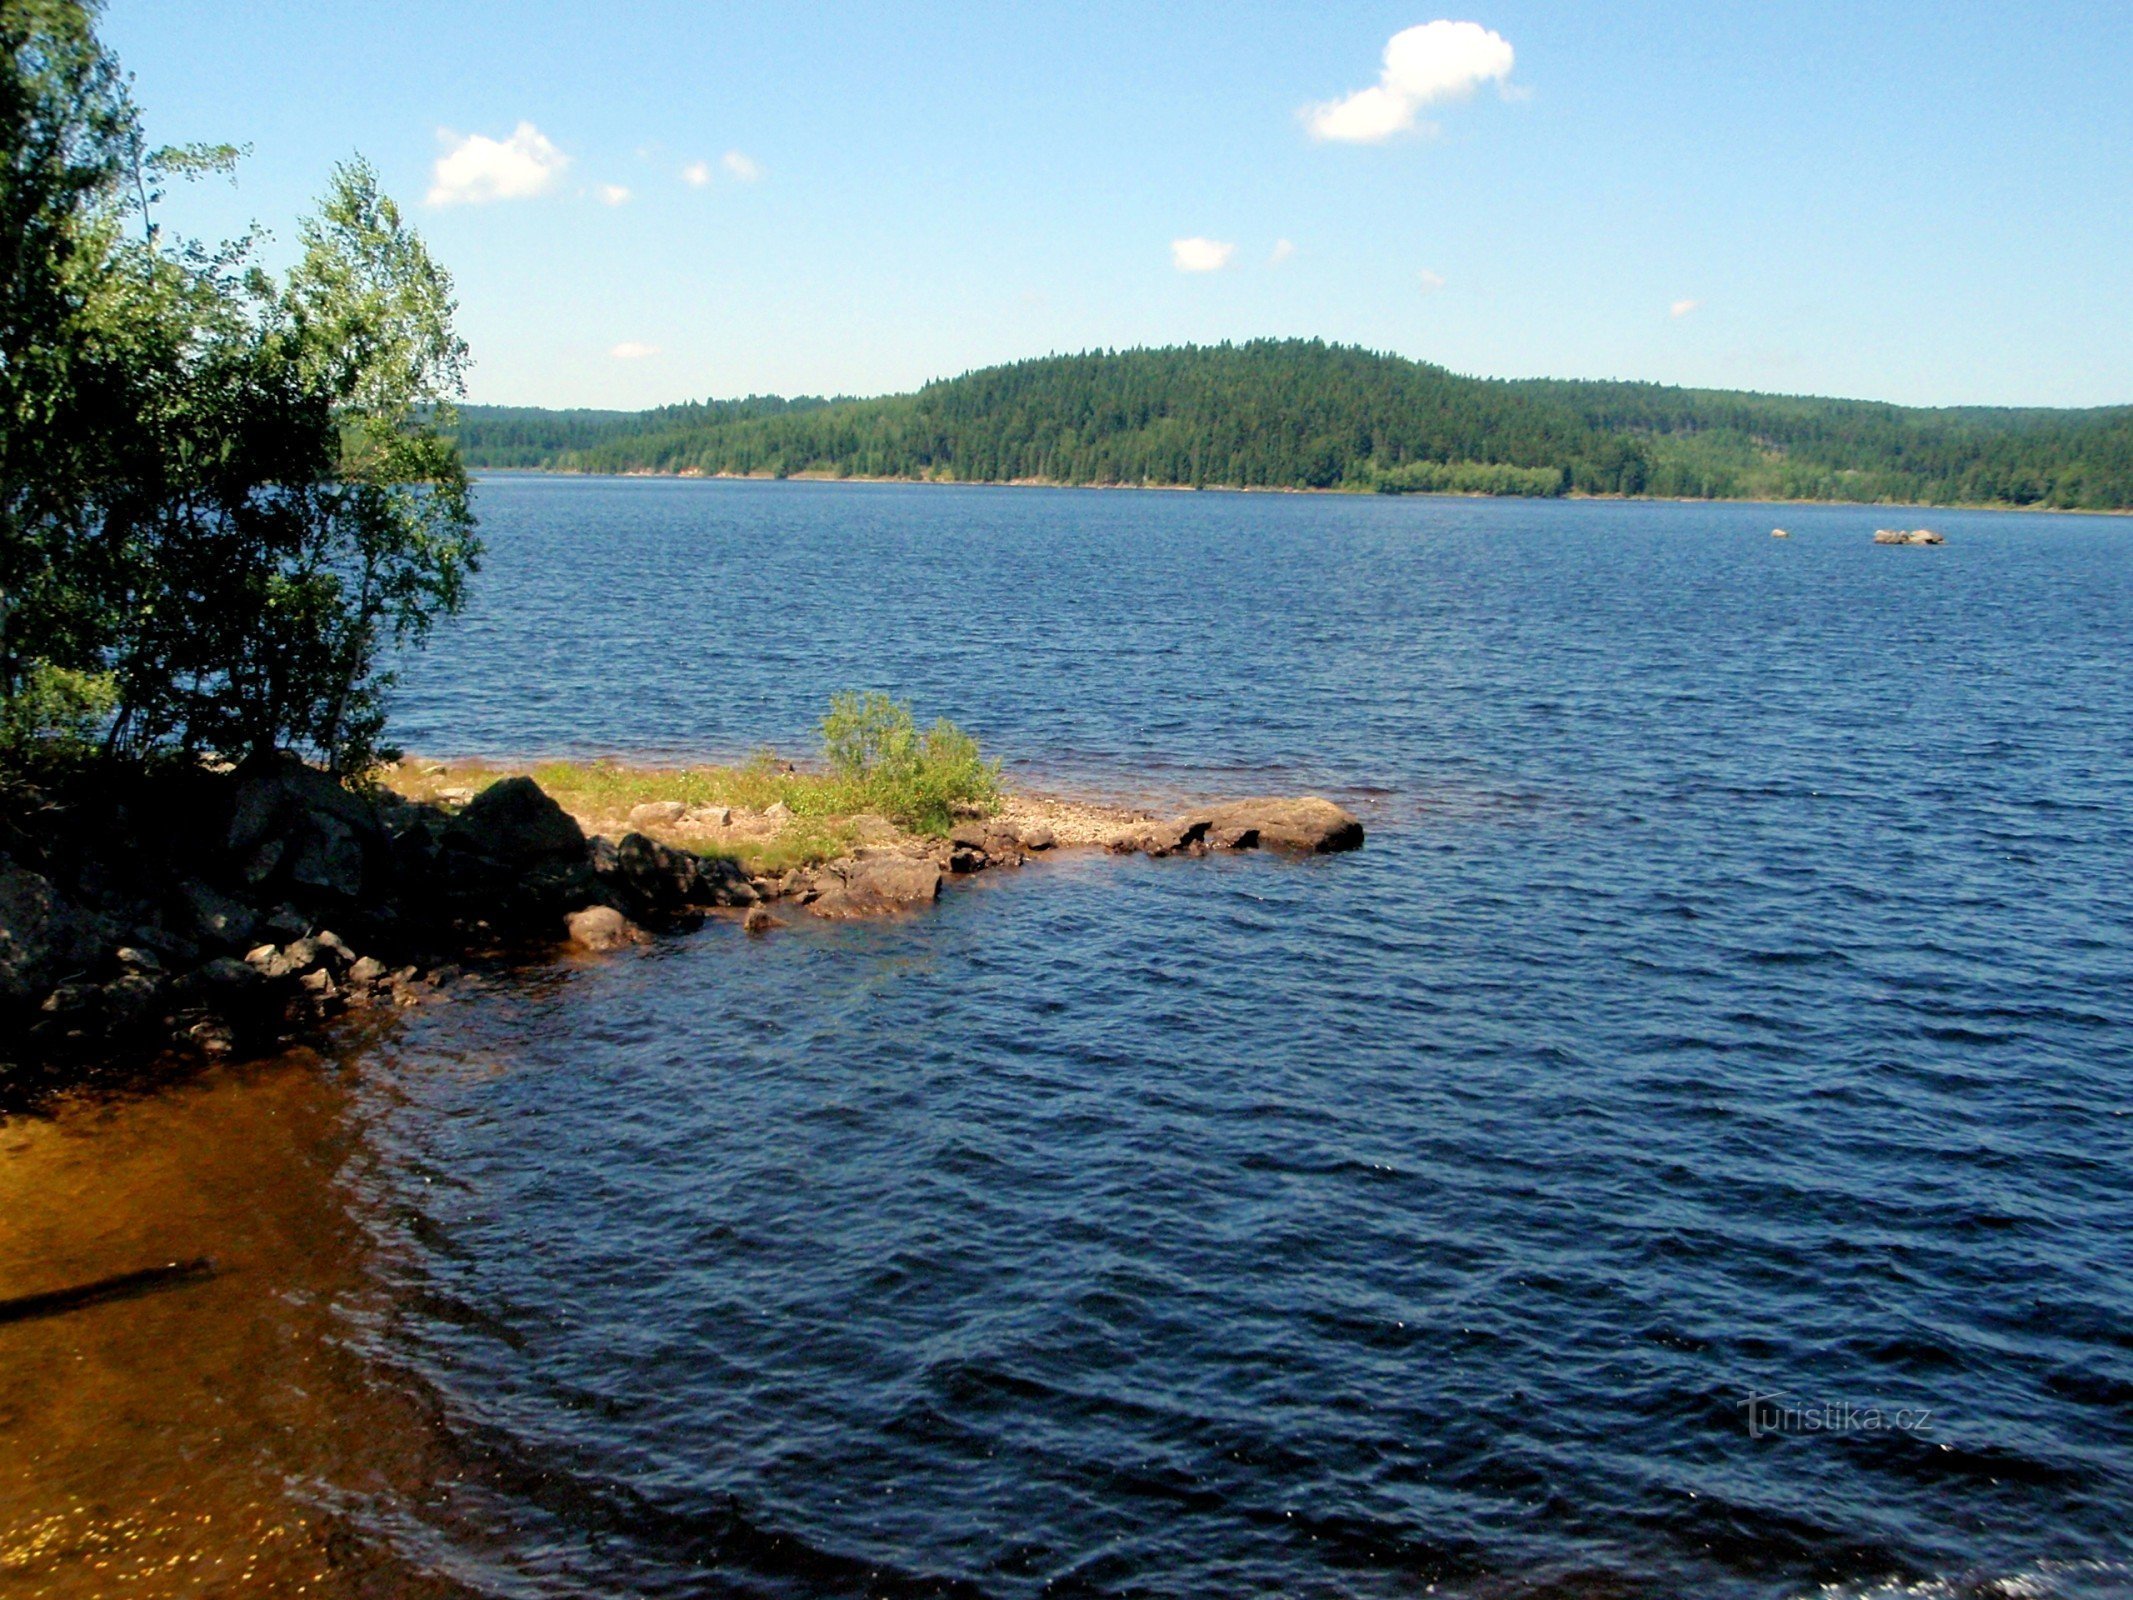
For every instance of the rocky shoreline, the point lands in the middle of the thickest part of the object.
(151, 920)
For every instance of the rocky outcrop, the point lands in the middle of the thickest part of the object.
(1310, 824)
(232, 911)
(1907, 536)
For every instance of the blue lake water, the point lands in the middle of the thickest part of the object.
(1733, 1002)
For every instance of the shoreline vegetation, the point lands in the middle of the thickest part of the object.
(1305, 415)
(1241, 488)
(154, 918)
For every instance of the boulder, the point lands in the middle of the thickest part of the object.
(42, 936)
(515, 860)
(874, 885)
(1907, 536)
(657, 814)
(651, 879)
(778, 811)
(602, 928)
(515, 822)
(706, 816)
(217, 918)
(222, 979)
(1036, 836)
(759, 920)
(294, 823)
(977, 844)
(1309, 824)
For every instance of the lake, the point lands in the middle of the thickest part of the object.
(1687, 1152)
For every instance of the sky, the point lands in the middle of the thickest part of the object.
(647, 201)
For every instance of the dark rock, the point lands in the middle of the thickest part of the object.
(1308, 824)
(518, 824)
(283, 924)
(293, 822)
(759, 920)
(131, 999)
(43, 937)
(216, 917)
(515, 861)
(223, 978)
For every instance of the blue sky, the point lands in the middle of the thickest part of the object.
(1930, 203)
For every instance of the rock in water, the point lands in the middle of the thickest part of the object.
(1309, 824)
(1907, 536)
(869, 887)
(603, 928)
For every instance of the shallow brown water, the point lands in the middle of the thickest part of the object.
(210, 1436)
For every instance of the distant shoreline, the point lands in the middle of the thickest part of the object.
(1236, 488)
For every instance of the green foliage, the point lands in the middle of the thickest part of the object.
(228, 494)
(1305, 415)
(54, 712)
(1469, 477)
(917, 779)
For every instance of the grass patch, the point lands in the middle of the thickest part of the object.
(877, 759)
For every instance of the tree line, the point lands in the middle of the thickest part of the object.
(1303, 414)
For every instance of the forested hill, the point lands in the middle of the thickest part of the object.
(1306, 415)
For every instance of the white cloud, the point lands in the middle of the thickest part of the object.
(478, 169)
(1431, 281)
(1425, 66)
(696, 174)
(1200, 255)
(1682, 308)
(614, 194)
(634, 350)
(741, 166)
(1281, 252)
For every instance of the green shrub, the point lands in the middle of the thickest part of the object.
(919, 780)
(54, 711)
